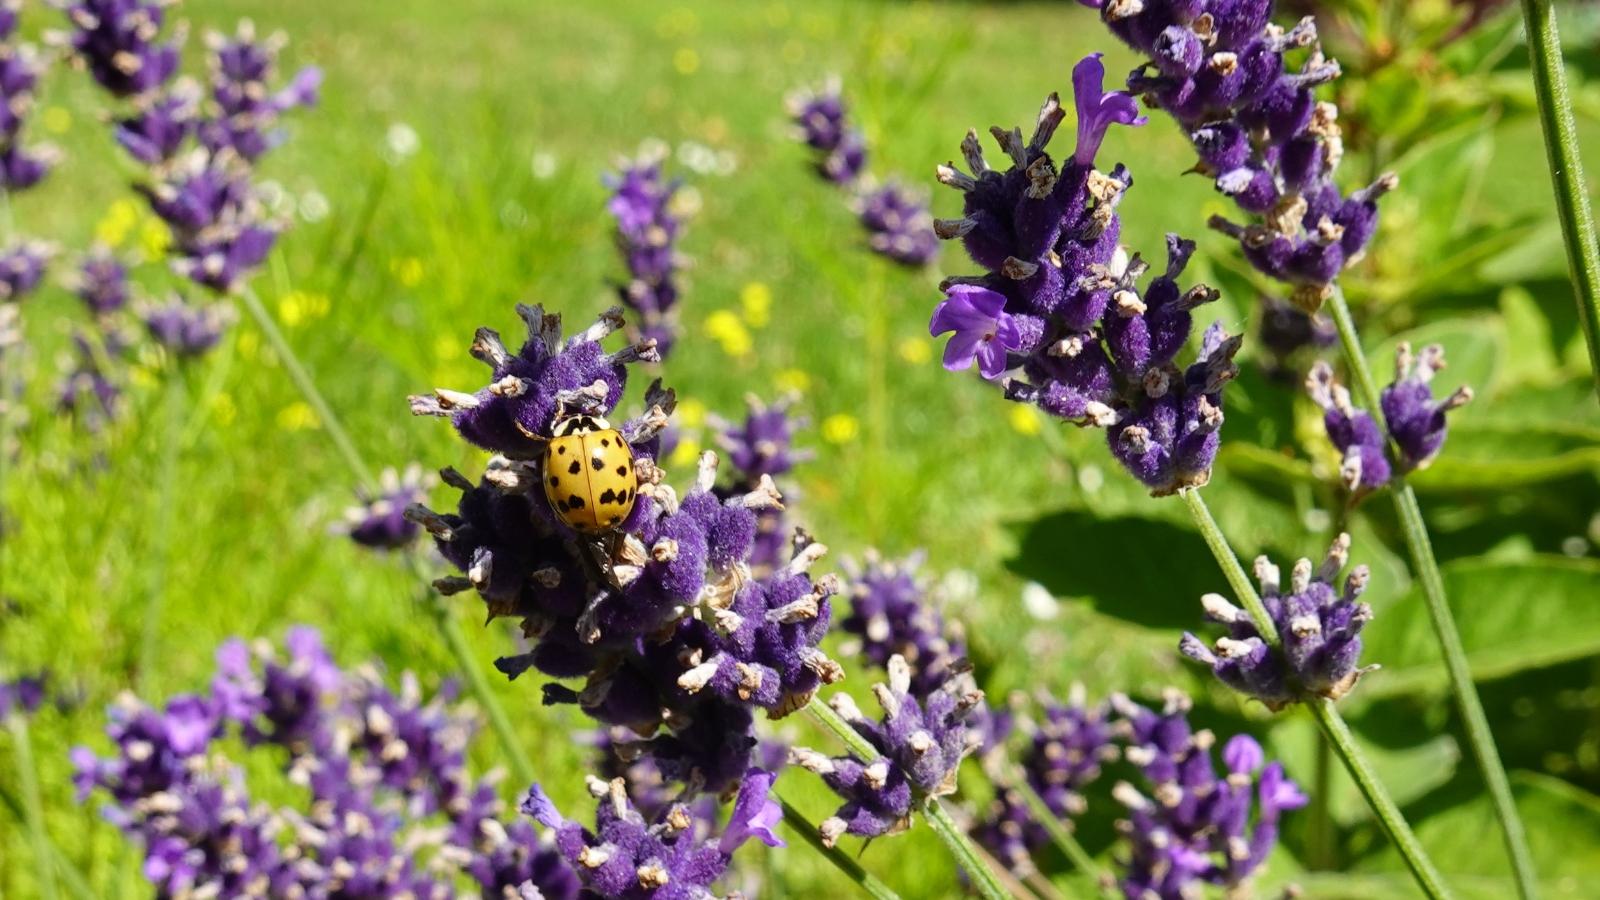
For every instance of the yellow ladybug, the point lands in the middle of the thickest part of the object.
(588, 474)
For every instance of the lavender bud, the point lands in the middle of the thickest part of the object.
(380, 522)
(647, 235)
(898, 224)
(821, 123)
(184, 329)
(118, 41)
(1416, 422)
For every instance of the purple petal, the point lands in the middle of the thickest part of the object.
(991, 359)
(1243, 755)
(754, 815)
(959, 352)
(1097, 109)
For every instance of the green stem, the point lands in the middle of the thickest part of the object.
(454, 639)
(1566, 171)
(1426, 568)
(32, 807)
(1060, 833)
(983, 878)
(308, 390)
(851, 869)
(1333, 725)
(166, 511)
(1320, 839)
(76, 884)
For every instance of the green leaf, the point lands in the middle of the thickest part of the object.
(1563, 829)
(1513, 616)
(1410, 772)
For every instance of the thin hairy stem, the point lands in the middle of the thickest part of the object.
(851, 869)
(1333, 725)
(960, 846)
(32, 806)
(1572, 198)
(1426, 568)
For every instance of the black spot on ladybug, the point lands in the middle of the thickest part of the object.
(622, 470)
(561, 505)
(613, 520)
(554, 481)
(561, 449)
(610, 496)
(575, 502)
(575, 468)
(598, 463)
(605, 442)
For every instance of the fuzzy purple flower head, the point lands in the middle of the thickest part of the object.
(187, 330)
(22, 268)
(22, 695)
(1218, 67)
(891, 615)
(762, 445)
(380, 522)
(119, 41)
(921, 741)
(219, 228)
(248, 103)
(21, 167)
(1062, 301)
(1285, 330)
(1319, 623)
(626, 857)
(648, 226)
(160, 125)
(822, 124)
(1416, 421)
(1187, 824)
(898, 224)
(101, 282)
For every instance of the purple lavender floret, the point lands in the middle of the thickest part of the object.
(219, 229)
(822, 124)
(87, 391)
(1319, 624)
(627, 857)
(119, 41)
(762, 445)
(899, 225)
(1218, 67)
(101, 282)
(647, 236)
(514, 414)
(22, 695)
(160, 125)
(1060, 311)
(1285, 331)
(22, 268)
(21, 167)
(185, 329)
(1416, 422)
(1188, 825)
(247, 103)
(380, 522)
(921, 742)
(1364, 453)
(891, 615)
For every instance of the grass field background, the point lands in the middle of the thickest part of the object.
(518, 108)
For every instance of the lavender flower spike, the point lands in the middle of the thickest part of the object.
(119, 42)
(647, 236)
(1320, 626)
(380, 522)
(898, 224)
(982, 329)
(1188, 824)
(628, 858)
(1415, 421)
(185, 329)
(1353, 431)
(821, 123)
(922, 742)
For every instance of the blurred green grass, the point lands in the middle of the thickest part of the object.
(518, 109)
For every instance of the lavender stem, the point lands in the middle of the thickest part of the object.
(850, 868)
(1061, 835)
(1426, 568)
(983, 877)
(172, 438)
(33, 808)
(1333, 725)
(1572, 201)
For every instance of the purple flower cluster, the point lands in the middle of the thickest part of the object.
(380, 522)
(21, 167)
(663, 618)
(898, 224)
(101, 282)
(1189, 825)
(1415, 420)
(22, 695)
(1319, 624)
(199, 150)
(891, 615)
(22, 268)
(922, 741)
(1284, 331)
(184, 329)
(384, 773)
(1218, 67)
(1067, 743)
(762, 446)
(647, 237)
(87, 390)
(630, 857)
(1060, 308)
